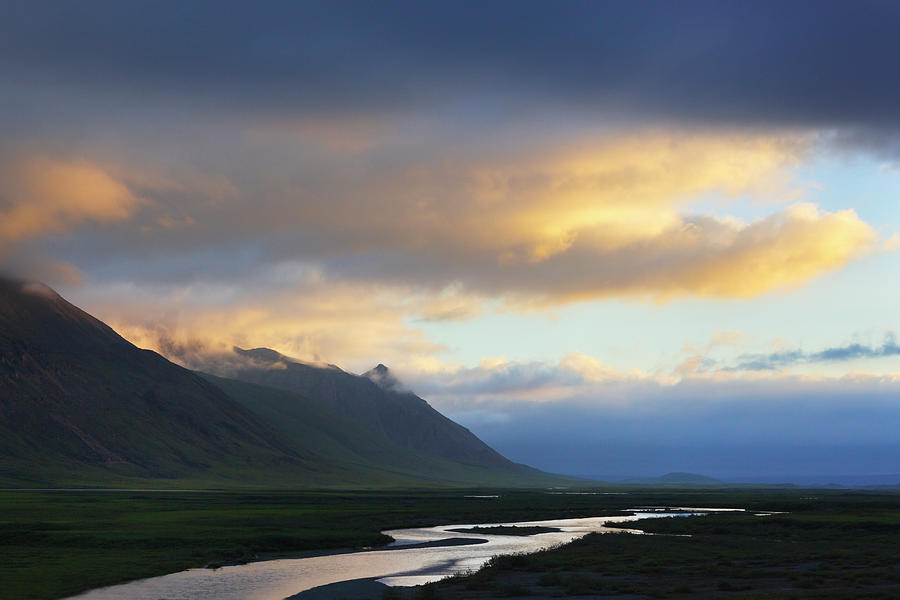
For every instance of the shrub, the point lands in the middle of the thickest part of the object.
(549, 579)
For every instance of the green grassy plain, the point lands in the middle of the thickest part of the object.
(835, 545)
(56, 544)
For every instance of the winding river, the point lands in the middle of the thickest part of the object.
(404, 562)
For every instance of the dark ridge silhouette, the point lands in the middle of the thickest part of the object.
(74, 393)
(377, 400)
(80, 405)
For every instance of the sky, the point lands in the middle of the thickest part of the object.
(613, 239)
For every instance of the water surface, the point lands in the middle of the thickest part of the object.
(396, 564)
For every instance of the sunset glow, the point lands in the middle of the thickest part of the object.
(560, 240)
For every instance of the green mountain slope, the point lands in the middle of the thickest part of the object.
(80, 405)
(377, 401)
(361, 455)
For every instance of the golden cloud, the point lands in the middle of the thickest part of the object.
(606, 217)
(446, 239)
(317, 321)
(718, 258)
(41, 196)
(624, 189)
(781, 250)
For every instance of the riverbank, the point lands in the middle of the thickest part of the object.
(511, 530)
(339, 551)
(59, 543)
(355, 589)
(56, 544)
(419, 555)
(845, 547)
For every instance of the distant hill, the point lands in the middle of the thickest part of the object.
(676, 478)
(80, 405)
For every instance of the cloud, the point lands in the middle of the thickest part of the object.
(304, 316)
(787, 358)
(344, 261)
(703, 257)
(698, 61)
(39, 196)
(433, 167)
(563, 221)
(698, 362)
(892, 244)
(719, 339)
(326, 177)
(498, 380)
(582, 417)
(440, 151)
(451, 304)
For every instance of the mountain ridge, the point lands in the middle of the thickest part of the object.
(80, 405)
(377, 399)
(73, 391)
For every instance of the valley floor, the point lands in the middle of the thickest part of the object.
(838, 544)
(843, 546)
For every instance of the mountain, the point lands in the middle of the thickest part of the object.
(677, 478)
(77, 397)
(362, 456)
(377, 400)
(80, 405)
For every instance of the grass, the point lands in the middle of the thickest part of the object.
(843, 545)
(55, 544)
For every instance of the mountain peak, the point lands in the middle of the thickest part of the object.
(32, 294)
(32, 312)
(75, 392)
(272, 359)
(263, 355)
(383, 377)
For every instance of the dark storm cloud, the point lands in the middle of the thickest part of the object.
(779, 360)
(806, 63)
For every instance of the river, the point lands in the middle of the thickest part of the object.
(396, 564)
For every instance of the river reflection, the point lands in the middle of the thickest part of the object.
(393, 565)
